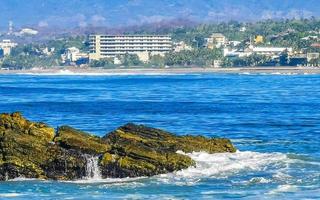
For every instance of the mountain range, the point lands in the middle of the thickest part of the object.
(82, 13)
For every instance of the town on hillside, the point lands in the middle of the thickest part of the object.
(233, 44)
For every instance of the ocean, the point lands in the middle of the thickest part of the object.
(273, 120)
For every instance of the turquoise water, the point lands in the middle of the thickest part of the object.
(274, 121)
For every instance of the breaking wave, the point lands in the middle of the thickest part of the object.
(213, 166)
(66, 72)
(224, 165)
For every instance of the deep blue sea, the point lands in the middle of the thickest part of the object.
(274, 121)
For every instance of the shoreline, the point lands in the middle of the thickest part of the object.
(160, 71)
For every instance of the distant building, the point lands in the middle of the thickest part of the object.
(312, 56)
(298, 60)
(243, 29)
(235, 53)
(315, 45)
(270, 51)
(103, 46)
(234, 43)
(6, 46)
(259, 39)
(310, 37)
(48, 51)
(72, 55)
(181, 46)
(217, 63)
(267, 51)
(216, 40)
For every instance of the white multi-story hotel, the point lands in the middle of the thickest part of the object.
(103, 46)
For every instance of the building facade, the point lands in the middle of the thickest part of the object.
(267, 51)
(181, 46)
(6, 46)
(216, 40)
(104, 46)
(73, 54)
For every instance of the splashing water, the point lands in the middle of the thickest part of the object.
(92, 169)
(224, 165)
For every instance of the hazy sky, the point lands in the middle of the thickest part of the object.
(71, 13)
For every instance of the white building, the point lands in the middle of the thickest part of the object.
(243, 29)
(103, 46)
(270, 51)
(181, 46)
(6, 46)
(312, 56)
(234, 43)
(267, 51)
(235, 53)
(310, 37)
(73, 54)
(216, 40)
(48, 51)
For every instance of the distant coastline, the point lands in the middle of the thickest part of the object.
(159, 71)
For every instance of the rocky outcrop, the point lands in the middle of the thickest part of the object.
(35, 150)
(142, 151)
(27, 149)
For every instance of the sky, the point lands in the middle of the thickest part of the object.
(82, 13)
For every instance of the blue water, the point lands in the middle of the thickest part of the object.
(274, 121)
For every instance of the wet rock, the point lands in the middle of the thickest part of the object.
(142, 151)
(34, 150)
(70, 138)
(27, 150)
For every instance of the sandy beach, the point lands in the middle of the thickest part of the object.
(154, 71)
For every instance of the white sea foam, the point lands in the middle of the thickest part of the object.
(284, 189)
(115, 181)
(223, 165)
(219, 165)
(259, 180)
(10, 195)
(19, 179)
(66, 72)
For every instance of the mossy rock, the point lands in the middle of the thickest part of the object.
(27, 150)
(160, 140)
(19, 124)
(35, 150)
(138, 150)
(71, 138)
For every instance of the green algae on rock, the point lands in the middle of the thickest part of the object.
(34, 150)
(27, 149)
(71, 138)
(138, 150)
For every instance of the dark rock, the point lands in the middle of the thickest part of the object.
(34, 150)
(142, 151)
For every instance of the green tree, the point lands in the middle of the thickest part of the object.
(130, 60)
(102, 63)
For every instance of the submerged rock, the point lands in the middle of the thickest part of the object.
(34, 150)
